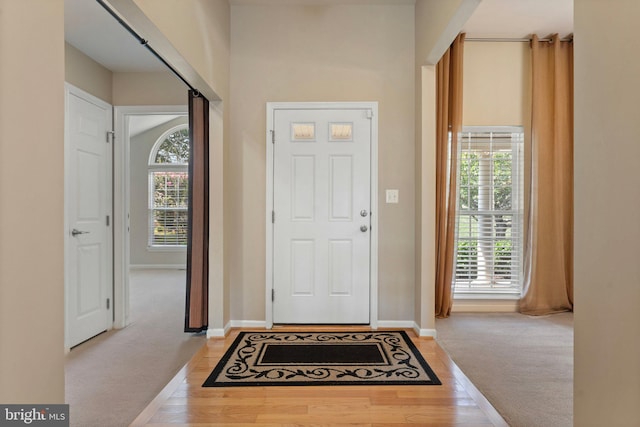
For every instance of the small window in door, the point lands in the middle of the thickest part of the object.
(303, 132)
(341, 132)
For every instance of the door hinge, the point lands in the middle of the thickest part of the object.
(108, 221)
(108, 303)
(273, 217)
(273, 136)
(112, 134)
(273, 295)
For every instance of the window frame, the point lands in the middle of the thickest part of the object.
(462, 289)
(153, 167)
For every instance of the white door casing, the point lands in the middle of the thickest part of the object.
(321, 245)
(88, 216)
(121, 200)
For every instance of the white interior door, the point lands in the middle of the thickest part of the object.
(88, 206)
(322, 211)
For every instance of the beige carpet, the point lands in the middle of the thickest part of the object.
(111, 378)
(523, 365)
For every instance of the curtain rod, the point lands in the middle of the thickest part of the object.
(521, 40)
(144, 42)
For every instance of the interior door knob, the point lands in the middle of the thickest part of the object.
(75, 232)
(364, 212)
(363, 228)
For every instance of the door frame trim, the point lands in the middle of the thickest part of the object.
(69, 90)
(373, 266)
(122, 203)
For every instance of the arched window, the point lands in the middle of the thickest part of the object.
(169, 189)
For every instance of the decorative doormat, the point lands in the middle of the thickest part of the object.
(321, 358)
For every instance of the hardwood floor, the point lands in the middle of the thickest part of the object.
(184, 402)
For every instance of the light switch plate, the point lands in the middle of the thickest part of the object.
(392, 196)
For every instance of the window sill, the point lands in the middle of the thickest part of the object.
(488, 296)
(166, 248)
(484, 303)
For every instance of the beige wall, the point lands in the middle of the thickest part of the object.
(139, 88)
(219, 287)
(607, 200)
(437, 23)
(149, 88)
(199, 30)
(86, 74)
(425, 200)
(31, 155)
(140, 150)
(431, 18)
(497, 88)
(322, 53)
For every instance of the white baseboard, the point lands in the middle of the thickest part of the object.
(399, 324)
(255, 324)
(484, 306)
(223, 332)
(261, 324)
(157, 267)
(218, 332)
(424, 332)
(407, 324)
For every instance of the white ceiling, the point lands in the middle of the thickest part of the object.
(92, 30)
(89, 28)
(139, 124)
(520, 18)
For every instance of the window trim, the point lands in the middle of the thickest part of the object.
(517, 210)
(153, 167)
(156, 146)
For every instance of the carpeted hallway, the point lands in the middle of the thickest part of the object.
(522, 364)
(111, 378)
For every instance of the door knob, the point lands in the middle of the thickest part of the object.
(75, 232)
(363, 228)
(364, 212)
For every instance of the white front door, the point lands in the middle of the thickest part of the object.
(88, 205)
(322, 211)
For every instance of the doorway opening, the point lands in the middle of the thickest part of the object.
(140, 129)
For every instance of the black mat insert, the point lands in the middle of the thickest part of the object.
(326, 354)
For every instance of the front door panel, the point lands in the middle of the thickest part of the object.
(322, 204)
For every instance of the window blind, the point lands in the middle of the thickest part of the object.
(169, 190)
(489, 215)
(168, 216)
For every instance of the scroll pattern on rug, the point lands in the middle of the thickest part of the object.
(400, 362)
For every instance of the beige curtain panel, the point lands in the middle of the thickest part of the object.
(196, 315)
(548, 273)
(448, 127)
